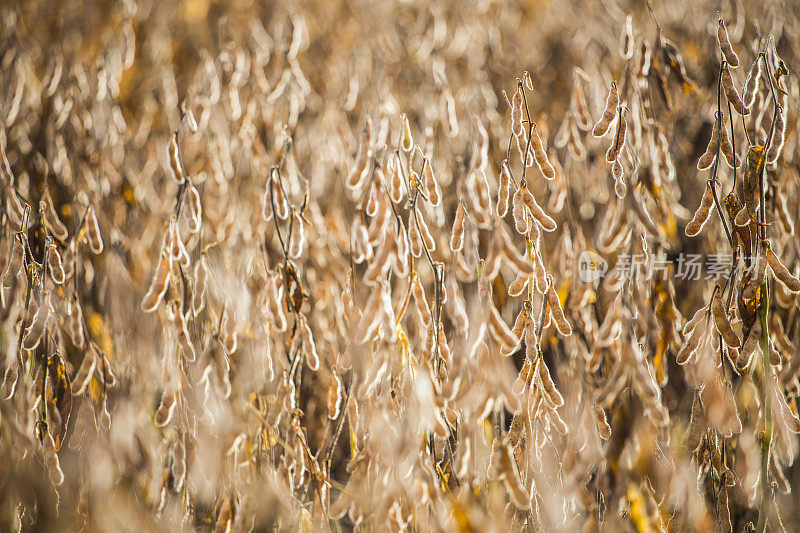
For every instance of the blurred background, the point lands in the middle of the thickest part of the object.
(90, 93)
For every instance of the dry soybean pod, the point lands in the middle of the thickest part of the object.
(166, 407)
(781, 272)
(750, 345)
(784, 218)
(702, 214)
(758, 278)
(395, 179)
(309, 347)
(15, 262)
(516, 287)
(778, 136)
(85, 373)
(174, 154)
(420, 301)
(427, 236)
(517, 260)
(335, 395)
(371, 318)
(603, 427)
(36, 330)
(362, 249)
(6, 174)
(457, 235)
(360, 168)
(481, 193)
(693, 342)
(707, 159)
(195, 208)
(74, 321)
(721, 320)
(540, 156)
(408, 139)
(697, 425)
(281, 204)
(228, 333)
(554, 304)
(516, 490)
(619, 139)
(503, 190)
(612, 101)
(93, 232)
(52, 461)
(374, 200)
(200, 280)
(274, 306)
(431, 185)
(547, 223)
(450, 119)
(692, 322)
(752, 84)
(178, 467)
(552, 395)
(51, 218)
(731, 93)
(521, 322)
(185, 343)
(298, 237)
(626, 39)
(414, 237)
(618, 171)
(516, 112)
(521, 221)
(576, 146)
(54, 264)
(725, 45)
(500, 329)
(620, 187)
(726, 148)
(159, 284)
(578, 105)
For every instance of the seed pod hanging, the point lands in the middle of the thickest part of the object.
(200, 280)
(431, 186)
(752, 84)
(540, 156)
(516, 112)
(725, 45)
(93, 232)
(554, 305)
(703, 213)
(721, 320)
(708, 157)
(781, 272)
(547, 223)
(731, 93)
(360, 169)
(175, 164)
(503, 190)
(159, 284)
(408, 139)
(51, 218)
(457, 235)
(54, 265)
(610, 111)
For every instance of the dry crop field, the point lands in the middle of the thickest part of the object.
(422, 265)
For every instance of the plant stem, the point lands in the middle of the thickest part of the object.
(766, 440)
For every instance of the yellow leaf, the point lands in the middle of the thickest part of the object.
(98, 330)
(638, 511)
